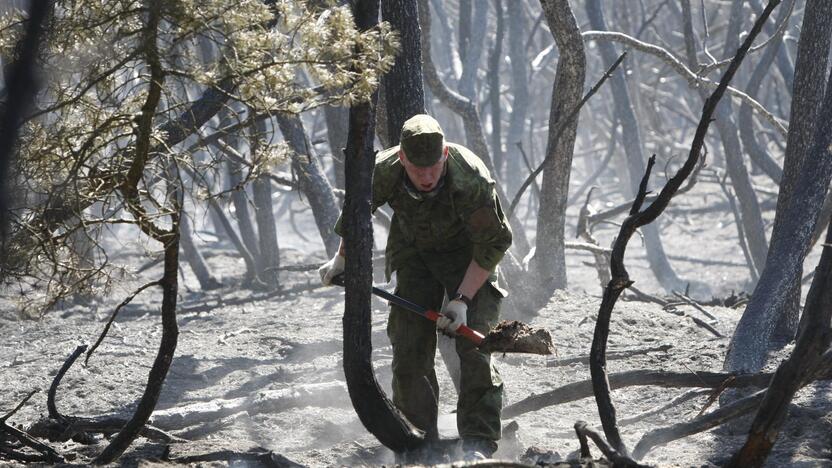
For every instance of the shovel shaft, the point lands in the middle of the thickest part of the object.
(463, 330)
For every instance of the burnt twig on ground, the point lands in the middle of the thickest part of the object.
(583, 389)
(19, 405)
(618, 460)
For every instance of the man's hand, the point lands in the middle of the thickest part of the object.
(454, 314)
(332, 269)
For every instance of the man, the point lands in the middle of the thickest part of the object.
(447, 236)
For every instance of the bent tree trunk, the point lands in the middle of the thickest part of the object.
(374, 409)
(311, 179)
(810, 74)
(773, 293)
(656, 256)
(549, 261)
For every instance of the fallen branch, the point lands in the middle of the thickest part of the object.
(17, 408)
(611, 454)
(610, 356)
(719, 416)
(678, 400)
(62, 428)
(48, 453)
(260, 457)
(673, 310)
(695, 305)
(583, 389)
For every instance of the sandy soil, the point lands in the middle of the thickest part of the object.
(241, 348)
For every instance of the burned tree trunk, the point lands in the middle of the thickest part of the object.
(656, 256)
(269, 258)
(794, 371)
(805, 184)
(222, 220)
(812, 59)
(549, 261)
(374, 409)
(21, 85)
(167, 346)
(311, 179)
(404, 93)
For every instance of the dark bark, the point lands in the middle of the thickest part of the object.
(21, 85)
(167, 346)
(374, 409)
(795, 221)
(639, 218)
(549, 261)
(812, 59)
(312, 181)
(794, 371)
(404, 93)
(583, 389)
(465, 11)
(617, 459)
(631, 140)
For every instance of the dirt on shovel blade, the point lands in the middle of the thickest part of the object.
(511, 336)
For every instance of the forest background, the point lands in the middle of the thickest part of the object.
(203, 148)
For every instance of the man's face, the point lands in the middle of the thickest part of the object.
(424, 178)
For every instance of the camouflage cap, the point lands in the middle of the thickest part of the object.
(422, 140)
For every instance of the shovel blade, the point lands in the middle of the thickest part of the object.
(511, 336)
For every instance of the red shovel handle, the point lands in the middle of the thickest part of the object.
(463, 330)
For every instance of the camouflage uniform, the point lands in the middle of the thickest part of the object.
(430, 245)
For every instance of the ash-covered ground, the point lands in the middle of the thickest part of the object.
(259, 370)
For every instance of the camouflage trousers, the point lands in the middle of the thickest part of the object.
(425, 279)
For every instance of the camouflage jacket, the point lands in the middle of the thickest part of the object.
(465, 212)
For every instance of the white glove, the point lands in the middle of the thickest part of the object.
(453, 315)
(332, 269)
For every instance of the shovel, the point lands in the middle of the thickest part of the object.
(509, 336)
